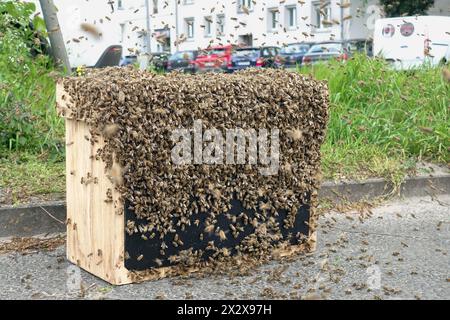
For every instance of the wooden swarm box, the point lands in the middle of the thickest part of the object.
(96, 236)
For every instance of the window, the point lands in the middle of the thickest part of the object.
(208, 26)
(246, 39)
(189, 26)
(183, 55)
(273, 19)
(210, 51)
(155, 6)
(120, 4)
(322, 15)
(267, 52)
(295, 48)
(220, 24)
(326, 47)
(244, 5)
(248, 53)
(122, 32)
(291, 17)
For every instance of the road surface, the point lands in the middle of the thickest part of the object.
(400, 252)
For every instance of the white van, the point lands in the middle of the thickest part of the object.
(409, 42)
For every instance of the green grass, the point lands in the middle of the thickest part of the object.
(382, 121)
(359, 162)
(26, 175)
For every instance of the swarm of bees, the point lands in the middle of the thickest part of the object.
(135, 112)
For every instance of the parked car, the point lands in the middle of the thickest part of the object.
(128, 60)
(110, 57)
(292, 54)
(263, 57)
(159, 60)
(216, 59)
(327, 51)
(361, 46)
(409, 42)
(183, 61)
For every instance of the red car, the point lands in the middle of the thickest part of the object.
(217, 59)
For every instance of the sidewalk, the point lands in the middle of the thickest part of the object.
(400, 252)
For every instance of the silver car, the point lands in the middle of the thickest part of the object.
(327, 51)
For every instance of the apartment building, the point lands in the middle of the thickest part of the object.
(200, 23)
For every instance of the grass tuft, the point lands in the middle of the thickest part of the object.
(23, 176)
(383, 121)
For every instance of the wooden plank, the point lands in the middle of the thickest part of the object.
(95, 230)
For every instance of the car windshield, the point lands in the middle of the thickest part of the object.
(295, 48)
(360, 46)
(216, 51)
(182, 55)
(246, 53)
(326, 47)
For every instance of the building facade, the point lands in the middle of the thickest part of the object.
(191, 24)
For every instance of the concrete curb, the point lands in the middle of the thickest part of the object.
(49, 217)
(33, 219)
(373, 188)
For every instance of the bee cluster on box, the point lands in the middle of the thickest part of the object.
(210, 170)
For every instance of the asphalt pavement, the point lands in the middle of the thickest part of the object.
(399, 250)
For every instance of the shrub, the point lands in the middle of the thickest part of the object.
(28, 121)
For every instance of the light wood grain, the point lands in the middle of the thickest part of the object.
(95, 230)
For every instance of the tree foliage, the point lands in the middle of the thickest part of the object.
(397, 8)
(18, 18)
(27, 115)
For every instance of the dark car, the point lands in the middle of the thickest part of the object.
(326, 51)
(183, 61)
(110, 57)
(159, 60)
(264, 57)
(339, 50)
(361, 46)
(292, 54)
(127, 60)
